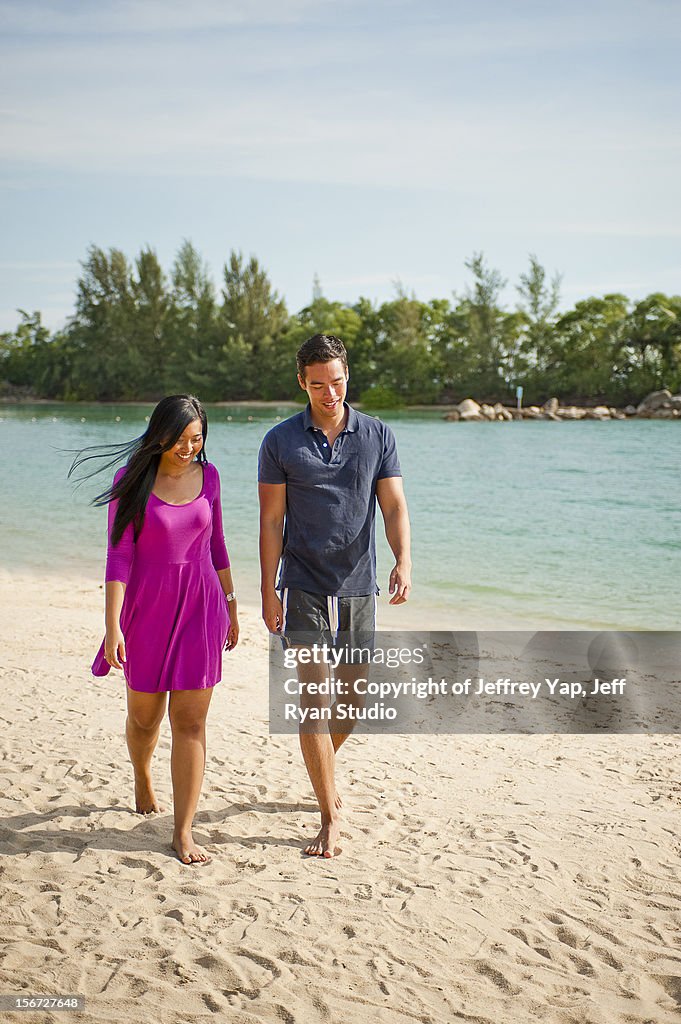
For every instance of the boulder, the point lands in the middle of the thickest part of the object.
(664, 414)
(551, 406)
(599, 412)
(488, 411)
(571, 412)
(469, 410)
(452, 416)
(501, 412)
(655, 400)
(630, 410)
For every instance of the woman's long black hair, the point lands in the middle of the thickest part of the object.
(167, 422)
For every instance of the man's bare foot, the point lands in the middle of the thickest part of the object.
(325, 845)
(189, 852)
(145, 798)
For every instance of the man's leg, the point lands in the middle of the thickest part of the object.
(357, 621)
(319, 619)
(347, 675)
(319, 754)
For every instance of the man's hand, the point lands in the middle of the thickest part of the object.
(400, 583)
(272, 611)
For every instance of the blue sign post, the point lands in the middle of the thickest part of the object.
(519, 395)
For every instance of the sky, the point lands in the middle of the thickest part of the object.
(370, 143)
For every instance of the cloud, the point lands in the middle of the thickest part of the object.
(623, 227)
(36, 266)
(152, 16)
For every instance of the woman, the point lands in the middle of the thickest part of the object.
(170, 602)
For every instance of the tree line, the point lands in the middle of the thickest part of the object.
(138, 333)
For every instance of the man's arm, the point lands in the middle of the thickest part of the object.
(272, 512)
(390, 495)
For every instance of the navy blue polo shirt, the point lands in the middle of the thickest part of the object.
(329, 545)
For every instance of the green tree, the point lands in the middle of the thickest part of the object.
(251, 325)
(486, 332)
(31, 359)
(101, 332)
(405, 362)
(651, 346)
(583, 358)
(538, 305)
(192, 328)
(148, 353)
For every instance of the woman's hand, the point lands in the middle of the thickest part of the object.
(233, 635)
(114, 647)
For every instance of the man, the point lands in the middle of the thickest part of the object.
(319, 475)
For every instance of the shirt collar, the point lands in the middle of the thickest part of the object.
(350, 427)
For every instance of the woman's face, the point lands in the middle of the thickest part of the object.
(187, 446)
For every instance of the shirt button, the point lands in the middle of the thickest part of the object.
(325, 445)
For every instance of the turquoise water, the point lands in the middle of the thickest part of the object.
(528, 524)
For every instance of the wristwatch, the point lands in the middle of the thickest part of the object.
(231, 596)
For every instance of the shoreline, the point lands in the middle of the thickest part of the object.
(415, 616)
(446, 409)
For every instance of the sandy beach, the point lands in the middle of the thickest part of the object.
(483, 879)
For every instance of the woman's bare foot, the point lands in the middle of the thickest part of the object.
(189, 852)
(145, 798)
(325, 845)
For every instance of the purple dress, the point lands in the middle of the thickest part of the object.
(175, 617)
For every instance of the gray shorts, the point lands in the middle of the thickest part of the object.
(346, 623)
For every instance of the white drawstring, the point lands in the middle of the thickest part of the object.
(333, 613)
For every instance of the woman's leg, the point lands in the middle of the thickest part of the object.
(145, 713)
(188, 710)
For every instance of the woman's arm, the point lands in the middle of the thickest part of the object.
(218, 548)
(114, 641)
(118, 563)
(221, 563)
(227, 584)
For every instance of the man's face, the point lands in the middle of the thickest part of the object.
(326, 385)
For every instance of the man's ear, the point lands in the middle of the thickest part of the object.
(302, 383)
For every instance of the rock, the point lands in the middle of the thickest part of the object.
(616, 414)
(501, 412)
(487, 411)
(664, 414)
(571, 412)
(675, 401)
(532, 412)
(630, 410)
(452, 416)
(599, 412)
(655, 400)
(469, 410)
(551, 406)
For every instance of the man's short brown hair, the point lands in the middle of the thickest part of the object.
(320, 348)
